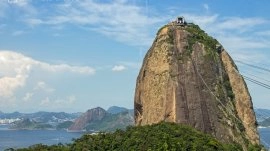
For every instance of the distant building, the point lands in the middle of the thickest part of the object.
(8, 121)
(180, 21)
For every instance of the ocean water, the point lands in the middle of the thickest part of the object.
(265, 136)
(25, 138)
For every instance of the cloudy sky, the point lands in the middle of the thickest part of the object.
(72, 55)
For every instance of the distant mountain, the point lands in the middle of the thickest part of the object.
(29, 124)
(40, 120)
(64, 125)
(112, 122)
(116, 109)
(98, 119)
(43, 117)
(53, 116)
(263, 117)
(262, 114)
(265, 123)
(12, 115)
(92, 115)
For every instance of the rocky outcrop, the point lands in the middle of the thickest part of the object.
(95, 114)
(243, 102)
(97, 119)
(187, 77)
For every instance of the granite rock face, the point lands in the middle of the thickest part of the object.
(97, 119)
(187, 77)
(95, 114)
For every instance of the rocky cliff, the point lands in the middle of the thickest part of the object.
(187, 77)
(97, 119)
(95, 114)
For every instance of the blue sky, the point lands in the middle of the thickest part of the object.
(72, 55)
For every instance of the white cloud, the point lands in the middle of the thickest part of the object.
(241, 24)
(28, 96)
(203, 20)
(234, 42)
(69, 100)
(15, 68)
(236, 34)
(118, 68)
(18, 33)
(263, 33)
(216, 24)
(45, 102)
(206, 7)
(9, 84)
(67, 68)
(135, 65)
(23, 5)
(33, 21)
(118, 19)
(3, 7)
(41, 85)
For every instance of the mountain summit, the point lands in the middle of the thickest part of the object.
(187, 77)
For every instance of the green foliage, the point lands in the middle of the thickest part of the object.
(111, 122)
(29, 124)
(160, 29)
(228, 87)
(255, 147)
(64, 125)
(162, 136)
(41, 147)
(198, 35)
(171, 36)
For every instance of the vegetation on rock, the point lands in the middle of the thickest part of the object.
(111, 122)
(64, 125)
(162, 136)
(188, 77)
(29, 124)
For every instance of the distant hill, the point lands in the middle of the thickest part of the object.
(116, 109)
(161, 136)
(97, 119)
(262, 114)
(12, 115)
(30, 125)
(92, 115)
(265, 123)
(64, 125)
(112, 122)
(263, 117)
(42, 116)
(40, 120)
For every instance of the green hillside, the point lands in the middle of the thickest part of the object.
(162, 136)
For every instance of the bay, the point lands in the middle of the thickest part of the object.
(265, 136)
(26, 138)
